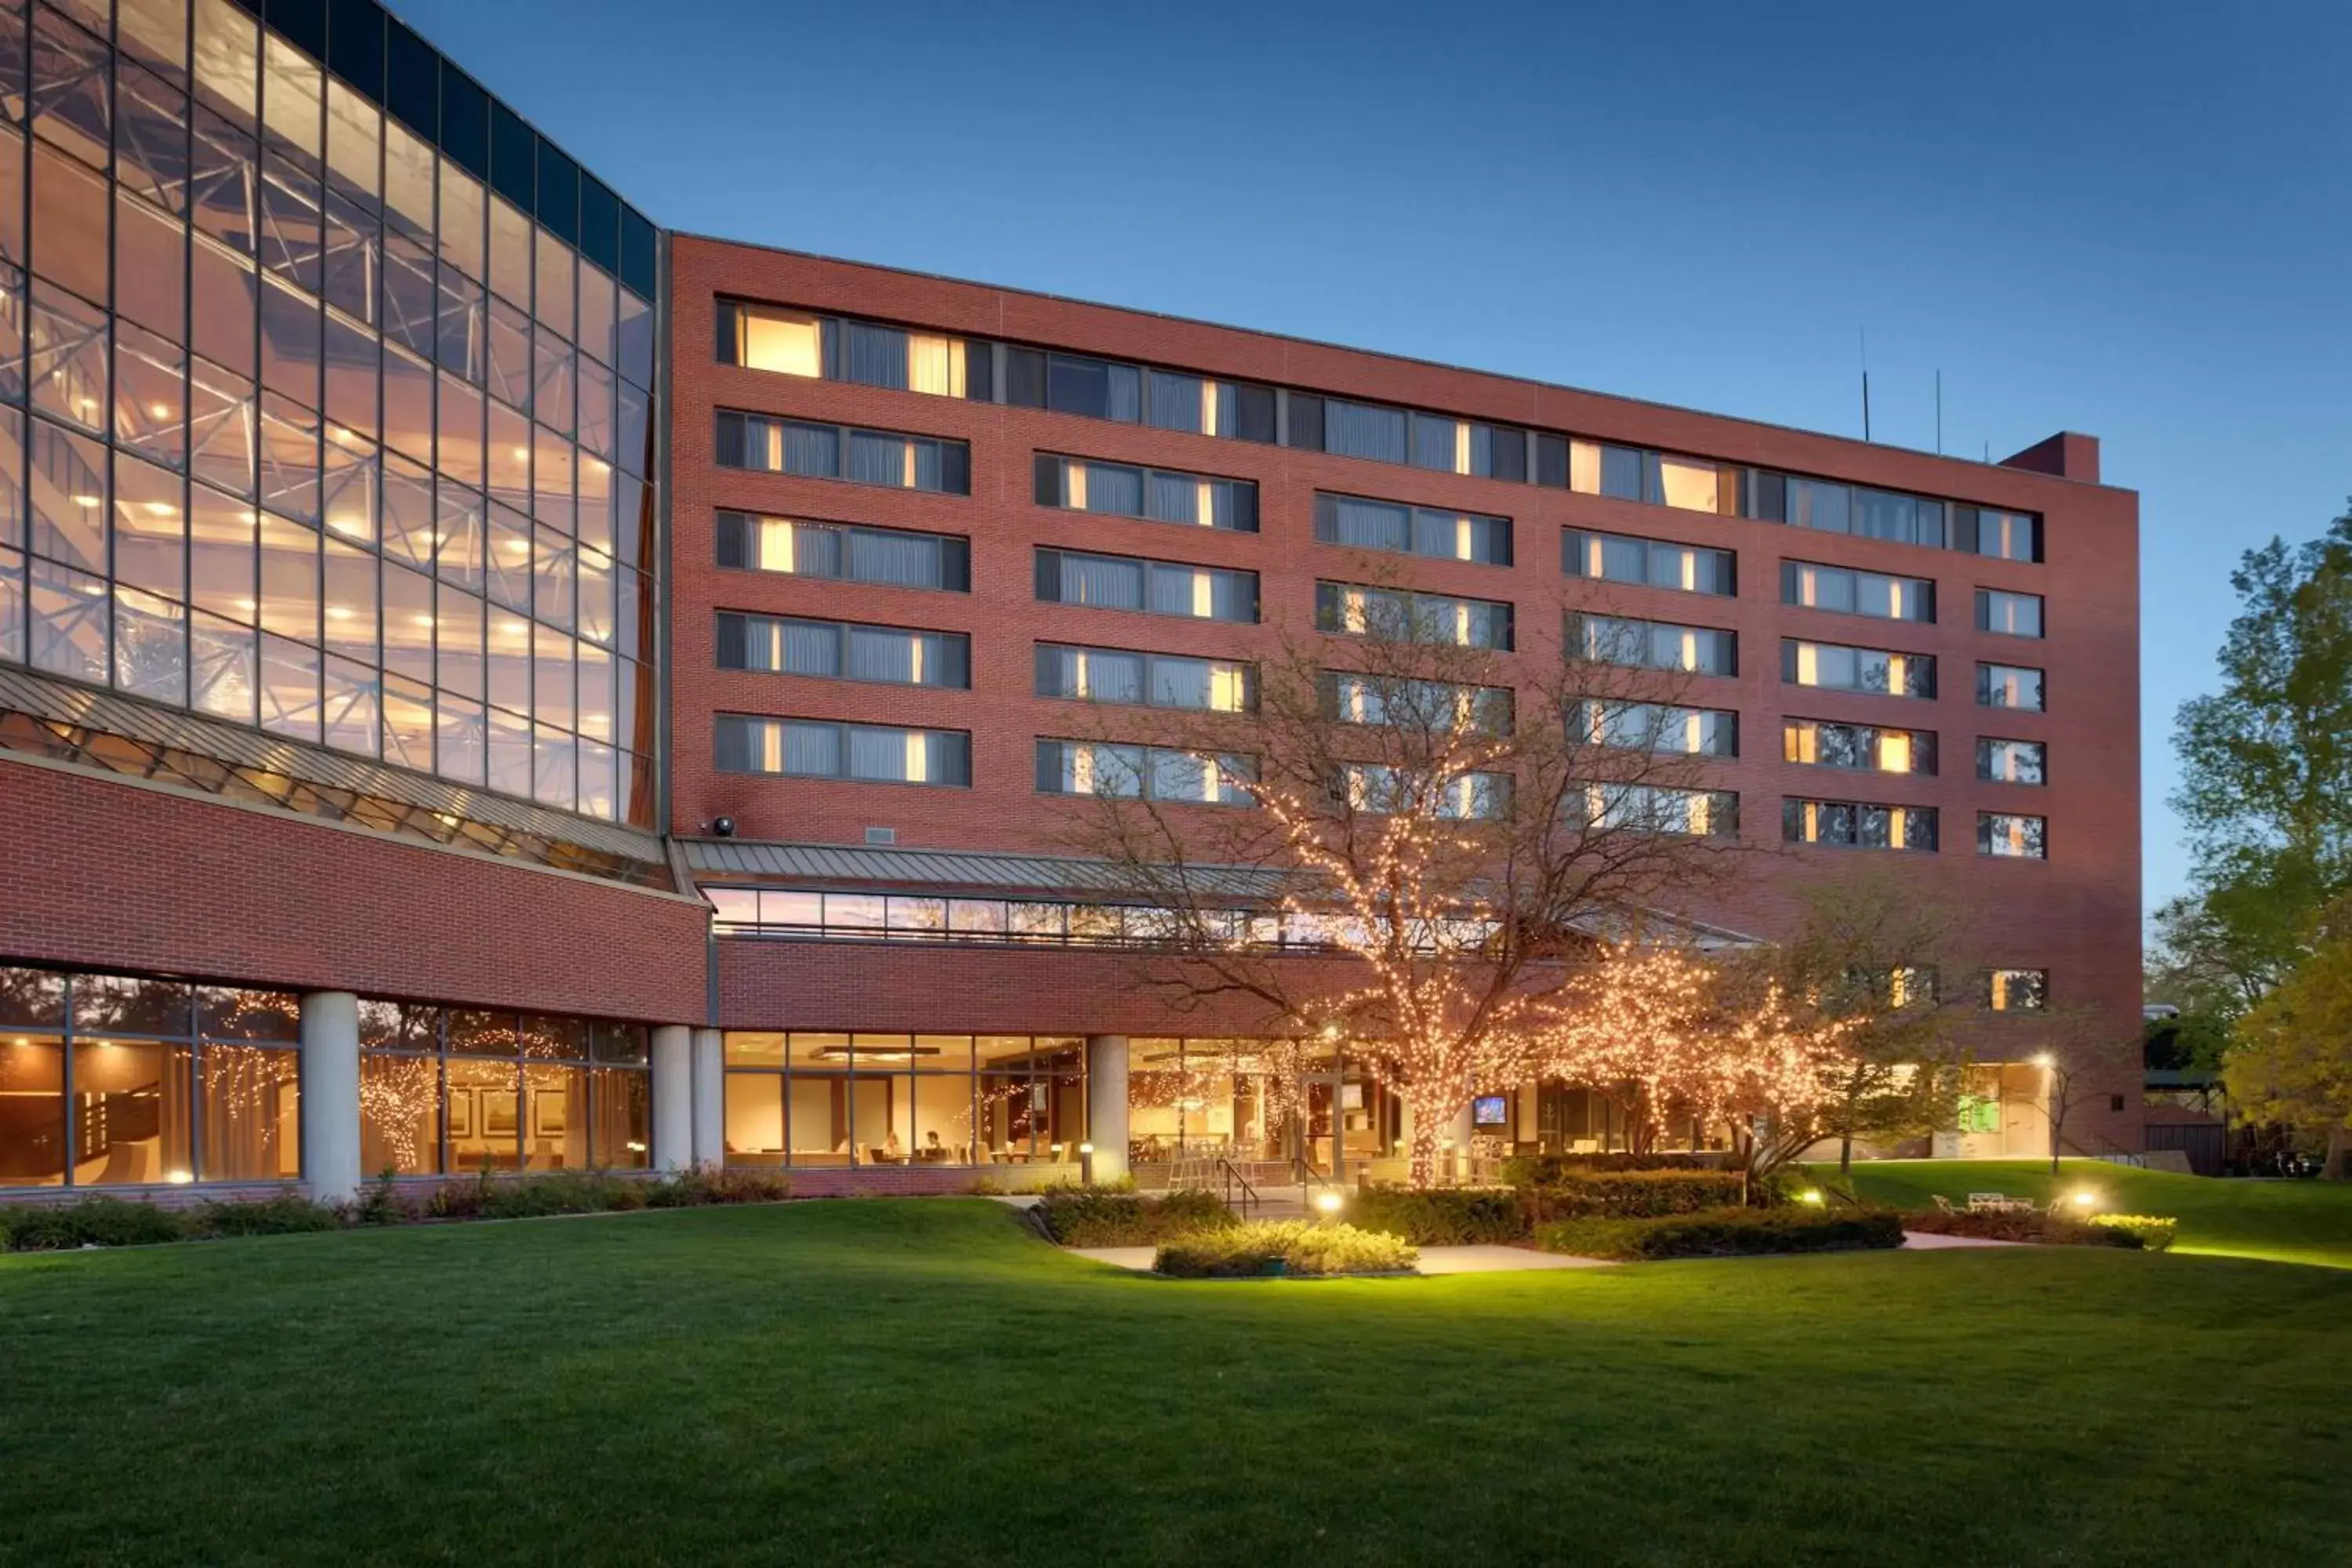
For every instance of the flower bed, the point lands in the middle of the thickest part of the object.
(1722, 1233)
(1283, 1247)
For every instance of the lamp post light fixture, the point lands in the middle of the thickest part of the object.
(1327, 1202)
(1085, 1164)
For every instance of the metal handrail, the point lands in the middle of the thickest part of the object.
(1249, 1197)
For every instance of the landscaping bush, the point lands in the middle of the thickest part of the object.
(284, 1215)
(1722, 1233)
(2155, 1234)
(93, 1222)
(2041, 1229)
(1544, 1169)
(1632, 1194)
(1442, 1216)
(703, 1185)
(1301, 1247)
(1109, 1216)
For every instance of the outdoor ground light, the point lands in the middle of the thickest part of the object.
(2085, 1198)
(1811, 1196)
(1086, 1165)
(1328, 1202)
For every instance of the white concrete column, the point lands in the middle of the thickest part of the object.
(1461, 1134)
(330, 1095)
(673, 1098)
(1106, 1104)
(709, 1081)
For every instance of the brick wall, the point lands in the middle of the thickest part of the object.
(108, 875)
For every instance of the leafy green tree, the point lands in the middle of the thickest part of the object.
(2266, 785)
(2291, 1061)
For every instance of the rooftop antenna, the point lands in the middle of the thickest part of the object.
(1864, 333)
(1939, 411)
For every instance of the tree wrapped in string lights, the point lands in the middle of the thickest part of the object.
(1393, 836)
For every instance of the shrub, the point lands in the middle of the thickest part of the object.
(1632, 1194)
(93, 1222)
(1301, 1247)
(1107, 1217)
(380, 1203)
(1546, 1170)
(1722, 1233)
(284, 1215)
(2154, 1233)
(489, 1196)
(1442, 1216)
(702, 1185)
(2042, 1229)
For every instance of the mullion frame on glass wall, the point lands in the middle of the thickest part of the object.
(187, 1050)
(142, 630)
(860, 1065)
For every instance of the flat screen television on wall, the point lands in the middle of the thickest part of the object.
(1490, 1111)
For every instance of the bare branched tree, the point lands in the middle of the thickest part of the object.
(1409, 830)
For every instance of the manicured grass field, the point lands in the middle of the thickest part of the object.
(916, 1382)
(2285, 1221)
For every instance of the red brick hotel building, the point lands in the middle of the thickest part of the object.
(484, 683)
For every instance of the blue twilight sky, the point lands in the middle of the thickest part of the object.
(2127, 219)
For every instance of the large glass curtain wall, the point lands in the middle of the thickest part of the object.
(106, 1080)
(857, 1100)
(448, 1090)
(1255, 1100)
(306, 426)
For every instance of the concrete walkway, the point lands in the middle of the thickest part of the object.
(1930, 1241)
(1433, 1259)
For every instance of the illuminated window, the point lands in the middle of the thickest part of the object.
(1652, 562)
(1659, 727)
(1836, 667)
(1394, 792)
(1145, 679)
(1654, 808)
(1866, 747)
(2008, 686)
(1158, 495)
(1153, 587)
(2017, 990)
(806, 748)
(2010, 761)
(842, 650)
(1396, 616)
(1155, 773)
(1652, 645)
(1354, 697)
(2009, 836)
(1857, 593)
(1412, 531)
(1853, 825)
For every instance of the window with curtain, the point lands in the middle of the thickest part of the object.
(1835, 666)
(1155, 773)
(1868, 747)
(807, 748)
(1354, 697)
(2009, 614)
(1143, 680)
(1853, 593)
(1156, 495)
(1156, 587)
(893, 557)
(1368, 524)
(1850, 825)
(1652, 562)
(2008, 686)
(870, 353)
(882, 458)
(1398, 616)
(2011, 836)
(841, 649)
(1385, 791)
(1652, 645)
(1660, 727)
(2002, 535)
(1654, 808)
(2010, 761)
(2017, 990)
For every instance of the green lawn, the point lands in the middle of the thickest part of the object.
(2285, 1221)
(923, 1383)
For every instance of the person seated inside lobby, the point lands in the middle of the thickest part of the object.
(933, 1152)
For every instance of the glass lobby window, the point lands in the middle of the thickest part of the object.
(450, 1090)
(1155, 773)
(2013, 615)
(1160, 495)
(883, 457)
(1837, 667)
(1397, 616)
(806, 748)
(2010, 761)
(857, 1099)
(1652, 645)
(113, 1080)
(1653, 563)
(1153, 587)
(1857, 593)
(2008, 686)
(1851, 826)
(2011, 837)
(270, 231)
(1145, 679)
(1868, 747)
(1412, 530)
(1654, 808)
(893, 557)
(2017, 990)
(843, 650)
(1660, 479)
(1429, 705)
(1384, 791)
(1657, 727)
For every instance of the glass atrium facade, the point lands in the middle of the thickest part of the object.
(325, 396)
